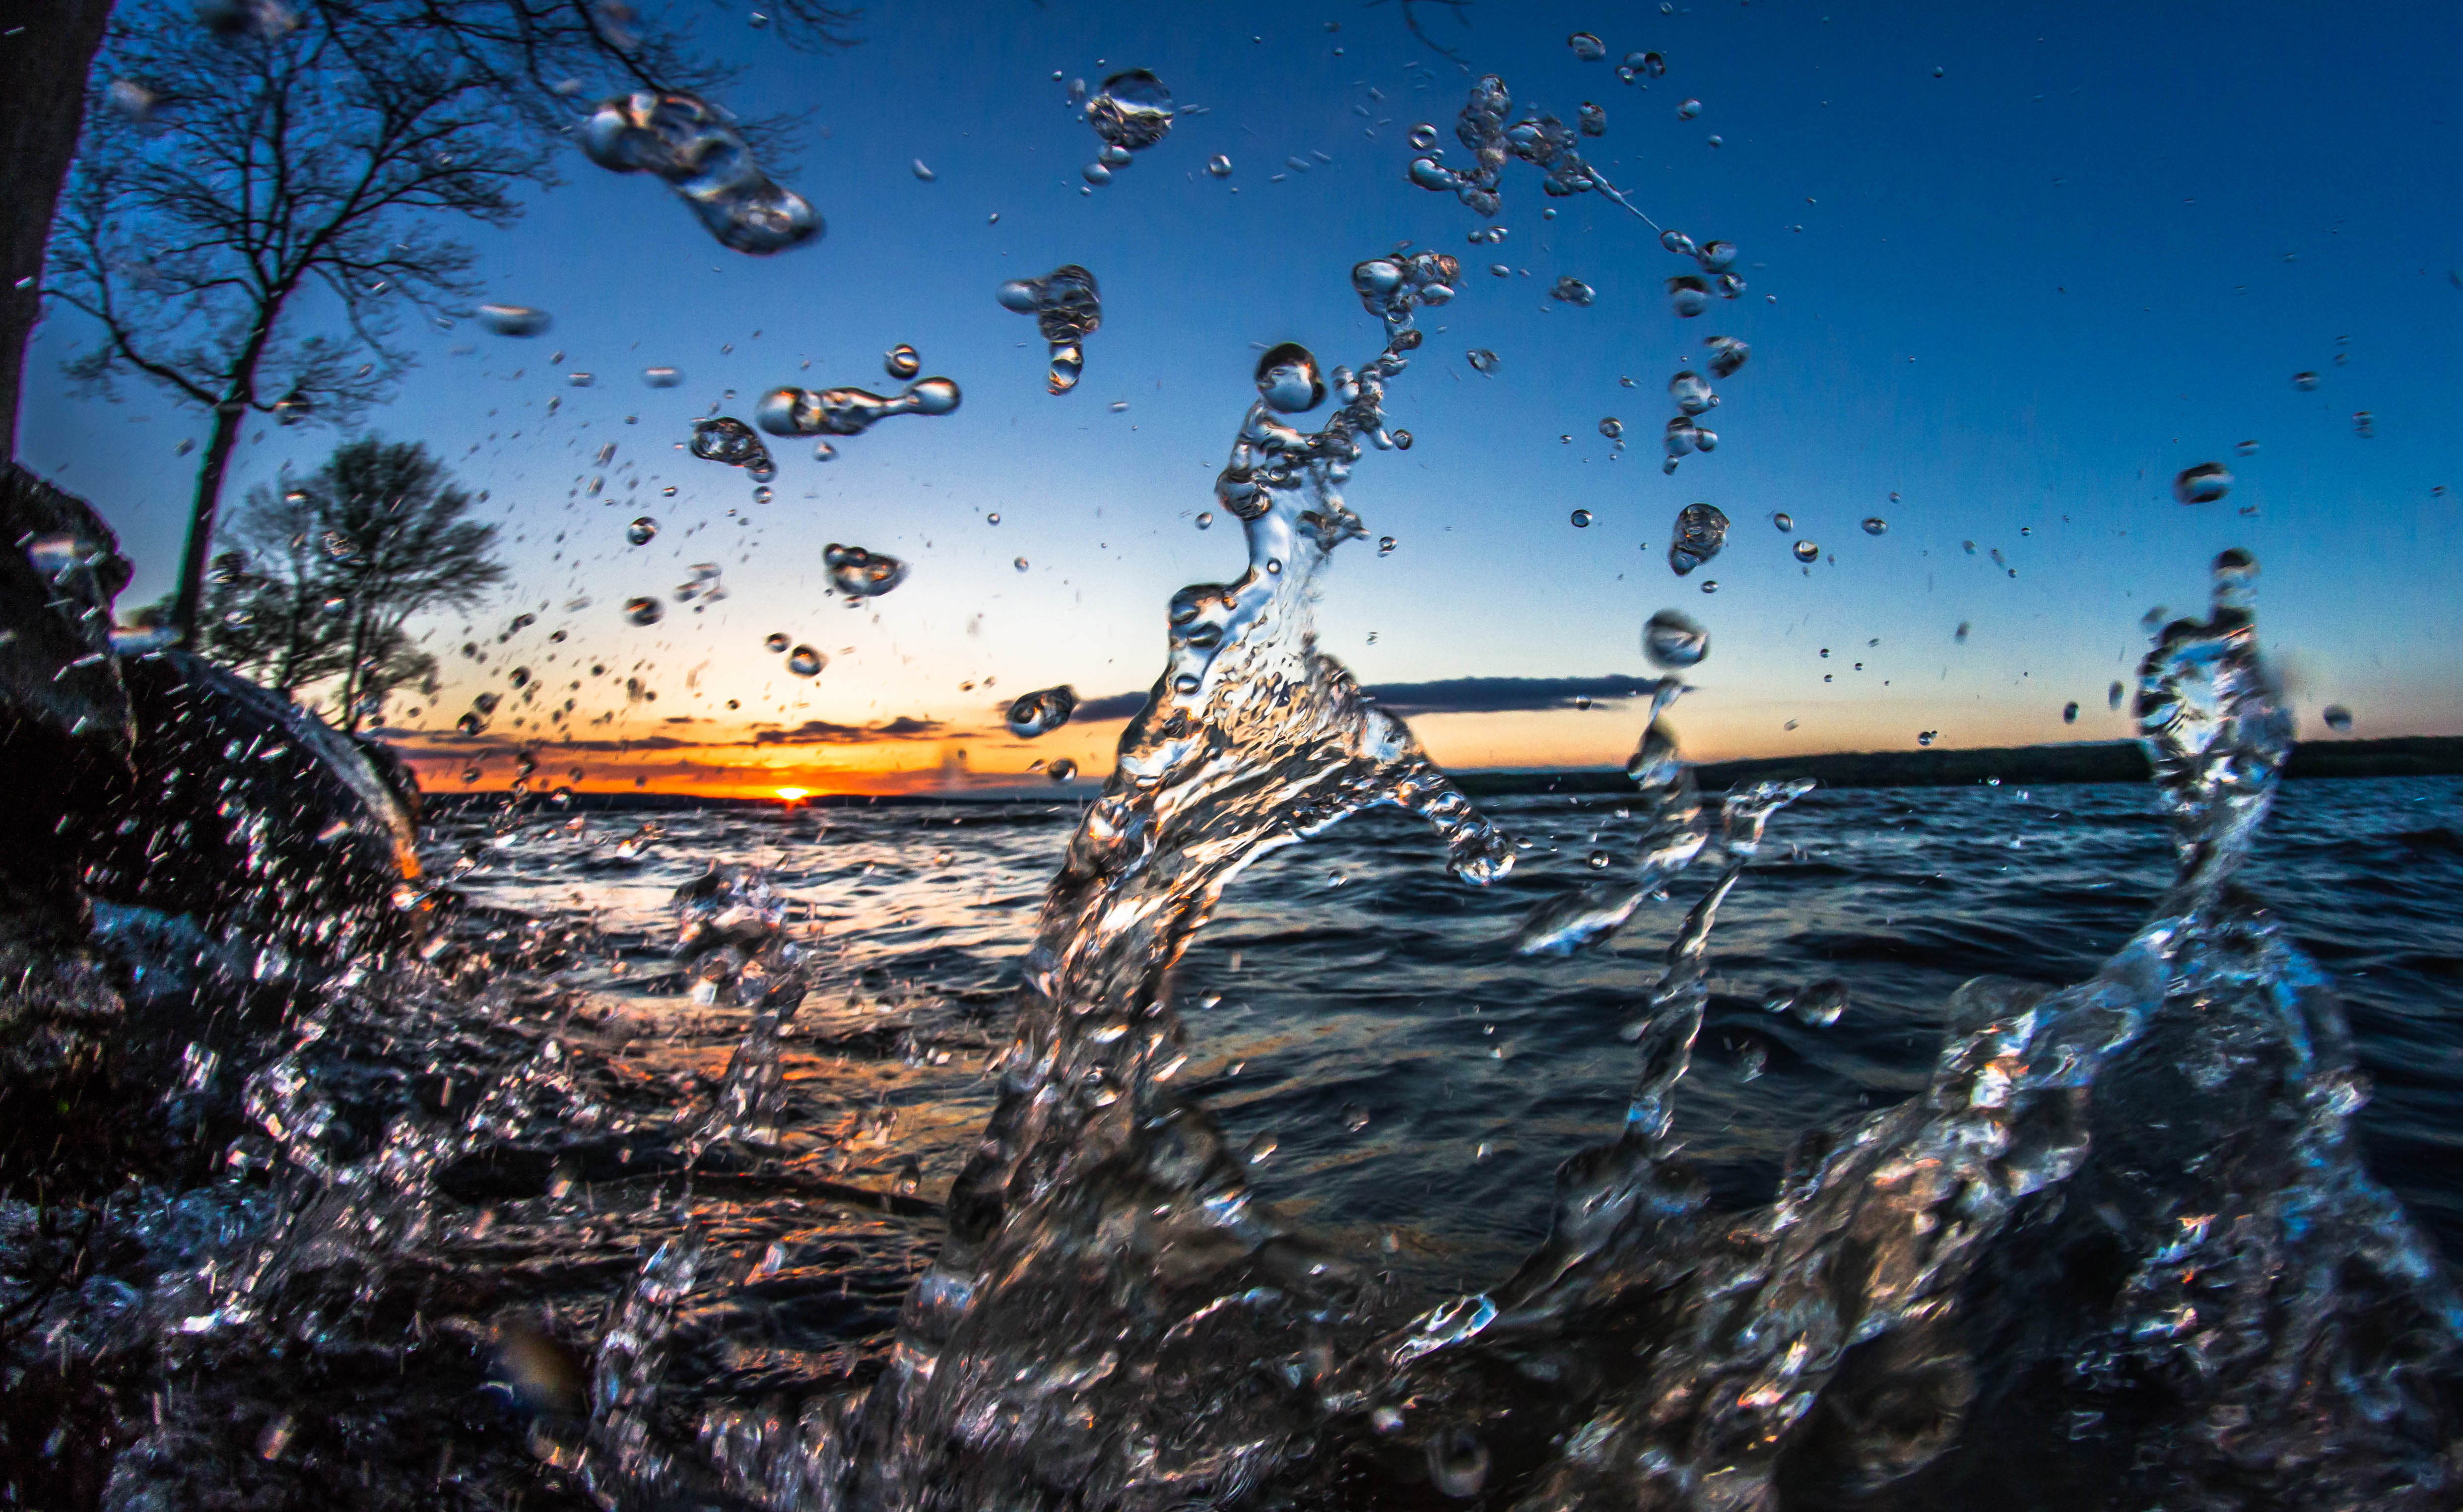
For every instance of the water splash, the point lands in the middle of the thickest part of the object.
(1539, 139)
(1067, 308)
(1012, 1371)
(849, 411)
(694, 146)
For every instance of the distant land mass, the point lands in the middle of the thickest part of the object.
(2038, 766)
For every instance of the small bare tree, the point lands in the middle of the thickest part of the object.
(324, 576)
(251, 225)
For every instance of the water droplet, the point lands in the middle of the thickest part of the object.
(1591, 119)
(1424, 137)
(1096, 174)
(1960, 634)
(1062, 770)
(1457, 1463)
(774, 642)
(805, 661)
(1067, 308)
(1041, 712)
(1717, 257)
(2337, 717)
(1816, 1007)
(2304, 381)
(1806, 552)
(849, 411)
(901, 361)
(1688, 296)
(860, 574)
(2069, 712)
(1481, 359)
(762, 494)
(1926, 736)
(689, 143)
(516, 320)
(1572, 290)
(644, 611)
(1288, 379)
(1205, 519)
(1131, 110)
(1691, 393)
(1670, 639)
(1019, 563)
(1385, 545)
(1689, 109)
(1581, 519)
(1677, 242)
(1599, 860)
(2365, 425)
(1783, 521)
(1354, 1118)
(1113, 156)
(1751, 1060)
(1875, 524)
(1612, 428)
(2113, 695)
(1261, 1149)
(640, 532)
(1219, 165)
(2202, 484)
(1586, 47)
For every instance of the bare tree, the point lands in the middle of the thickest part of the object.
(534, 57)
(325, 575)
(267, 169)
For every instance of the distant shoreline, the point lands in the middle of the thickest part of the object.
(2039, 765)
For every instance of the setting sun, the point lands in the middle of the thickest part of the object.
(790, 795)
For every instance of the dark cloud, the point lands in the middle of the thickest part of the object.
(1452, 696)
(1500, 695)
(821, 732)
(1116, 706)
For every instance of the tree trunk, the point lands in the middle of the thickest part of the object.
(229, 416)
(43, 69)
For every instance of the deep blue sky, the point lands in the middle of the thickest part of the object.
(2024, 294)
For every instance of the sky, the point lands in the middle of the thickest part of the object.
(2009, 270)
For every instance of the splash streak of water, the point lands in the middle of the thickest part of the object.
(1091, 1331)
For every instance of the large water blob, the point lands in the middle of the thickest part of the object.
(1067, 308)
(849, 411)
(694, 146)
(1541, 140)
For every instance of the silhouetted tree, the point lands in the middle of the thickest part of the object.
(324, 576)
(533, 57)
(262, 171)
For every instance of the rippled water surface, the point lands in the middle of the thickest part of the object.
(1351, 974)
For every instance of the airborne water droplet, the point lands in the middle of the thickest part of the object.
(640, 532)
(1689, 109)
(1581, 519)
(1288, 379)
(1807, 551)
(1572, 290)
(1062, 770)
(774, 642)
(1672, 639)
(2304, 381)
(860, 574)
(1041, 712)
(1586, 47)
(805, 661)
(2202, 484)
(1612, 428)
(1784, 522)
(1875, 524)
(2337, 717)
(1219, 165)
(1131, 110)
(2069, 712)
(1481, 359)
(1727, 355)
(1424, 137)
(1385, 545)
(514, 320)
(643, 610)
(1688, 296)
(901, 361)
(1691, 393)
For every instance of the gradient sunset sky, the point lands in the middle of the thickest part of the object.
(2011, 268)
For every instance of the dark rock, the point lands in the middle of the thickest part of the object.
(256, 820)
(65, 743)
